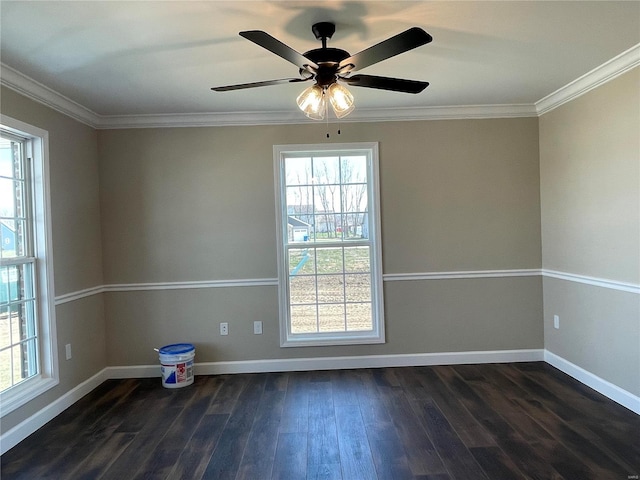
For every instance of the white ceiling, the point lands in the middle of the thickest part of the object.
(150, 58)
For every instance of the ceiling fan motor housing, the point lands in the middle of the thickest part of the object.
(327, 59)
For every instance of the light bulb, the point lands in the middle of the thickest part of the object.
(341, 99)
(312, 102)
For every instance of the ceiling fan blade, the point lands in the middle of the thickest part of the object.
(403, 42)
(386, 83)
(266, 83)
(276, 46)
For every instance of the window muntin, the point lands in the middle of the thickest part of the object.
(330, 268)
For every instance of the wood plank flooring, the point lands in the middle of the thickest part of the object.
(464, 422)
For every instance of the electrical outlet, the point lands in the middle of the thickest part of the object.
(224, 328)
(67, 349)
(257, 328)
(556, 321)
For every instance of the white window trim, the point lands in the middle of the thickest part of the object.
(326, 339)
(48, 375)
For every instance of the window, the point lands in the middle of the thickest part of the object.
(28, 360)
(329, 258)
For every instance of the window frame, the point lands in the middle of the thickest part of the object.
(377, 334)
(36, 150)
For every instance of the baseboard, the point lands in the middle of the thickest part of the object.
(12, 437)
(339, 363)
(134, 371)
(608, 389)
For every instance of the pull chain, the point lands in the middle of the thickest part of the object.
(326, 115)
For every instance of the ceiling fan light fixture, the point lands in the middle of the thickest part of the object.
(312, 102)
(341, 99)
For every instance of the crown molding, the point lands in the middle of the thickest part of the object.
(30, 88)
(38, 92)
(219, 119)
(607, 71)
(294, 117)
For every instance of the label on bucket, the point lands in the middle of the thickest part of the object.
(177, 372)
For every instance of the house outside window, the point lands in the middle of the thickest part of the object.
(28, 358)
(329, 258)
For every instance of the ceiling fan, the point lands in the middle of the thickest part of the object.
(330, 67)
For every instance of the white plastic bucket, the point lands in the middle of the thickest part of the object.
(176, 364)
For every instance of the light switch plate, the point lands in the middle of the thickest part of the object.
(257, 328)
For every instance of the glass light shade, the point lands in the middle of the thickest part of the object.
(341, 99)
(311, 101)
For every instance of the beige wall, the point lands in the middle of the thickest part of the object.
(590, 207)
(189, 203)
(75, 212)
(196, 204)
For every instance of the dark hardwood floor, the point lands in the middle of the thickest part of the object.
(502, 421)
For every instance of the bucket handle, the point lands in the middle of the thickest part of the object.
(156, 350)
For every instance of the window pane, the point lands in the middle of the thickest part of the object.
(12, 198)
(331, 318)
(4, 285)
(22, 322)
(24, 361)
(302, 289)
(327, 199)
(358, 288)
(5, 327)
(27, 281)
(354, 169)
(359, 317)
(14, 240)
(302, 261)
(330, 289)
(300, 203)
(8, 238)
(354, 226)
(357, 259)
(16, 324)
(354, 197)
(6, 158)
(304, 319)
(326, 227)
(20, 197)
(18, 282)
(329, 260)
(11, 159)
(21, 238)
(8, 283)
(19, 370)
(326, 170)
(5, 369)
(7, 198)
(298, 171)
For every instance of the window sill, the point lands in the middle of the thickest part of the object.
(20, 394)
(328, 340)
